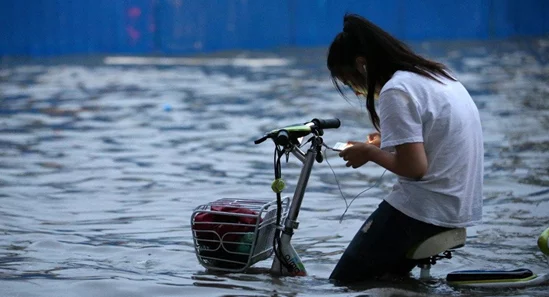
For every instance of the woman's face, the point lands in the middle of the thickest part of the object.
(359, 91)
(359, 88)
(356, 78)
(349, 78)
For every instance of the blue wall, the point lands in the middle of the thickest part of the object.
(53, 27)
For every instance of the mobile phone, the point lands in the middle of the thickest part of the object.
(341, 146)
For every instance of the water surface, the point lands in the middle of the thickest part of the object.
(102, 164)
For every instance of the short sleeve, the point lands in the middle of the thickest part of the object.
(400, 119)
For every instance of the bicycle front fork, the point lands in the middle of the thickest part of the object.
(294, 266)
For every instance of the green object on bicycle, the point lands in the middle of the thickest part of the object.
(246, 243)
(278, 185)
(543, 242)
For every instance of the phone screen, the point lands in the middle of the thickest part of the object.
(341, 146)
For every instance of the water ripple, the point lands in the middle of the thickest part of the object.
(102, 165)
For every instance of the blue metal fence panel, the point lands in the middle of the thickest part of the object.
(510, 18)
(435, 19)
(53, 27)
(317, 22)
(192, 26)
(529, 17)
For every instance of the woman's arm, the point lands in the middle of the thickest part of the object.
(408, 160)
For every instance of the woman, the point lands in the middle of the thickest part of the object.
(429, 135)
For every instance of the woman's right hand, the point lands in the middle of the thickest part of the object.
(374, 139)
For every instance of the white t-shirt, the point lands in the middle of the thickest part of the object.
(413, 108)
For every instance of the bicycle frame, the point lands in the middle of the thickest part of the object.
(280, 230)
(291, 223)
(287, 261)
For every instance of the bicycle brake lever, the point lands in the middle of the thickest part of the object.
(287, 156)
(319, 157)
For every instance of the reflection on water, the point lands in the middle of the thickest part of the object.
(102, 165)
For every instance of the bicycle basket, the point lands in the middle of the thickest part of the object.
(233, 234)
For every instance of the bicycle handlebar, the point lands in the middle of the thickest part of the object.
(282, 136)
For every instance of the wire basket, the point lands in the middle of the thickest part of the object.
(233, 234)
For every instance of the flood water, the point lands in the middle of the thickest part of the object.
(102, 162)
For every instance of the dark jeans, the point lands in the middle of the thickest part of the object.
(381, 244)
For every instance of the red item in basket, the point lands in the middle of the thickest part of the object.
(219, 223)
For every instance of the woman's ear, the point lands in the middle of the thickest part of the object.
(360, 64)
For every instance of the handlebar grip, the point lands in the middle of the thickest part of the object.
(327, 124)
(260, 140)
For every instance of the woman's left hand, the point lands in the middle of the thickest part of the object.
(358, 154)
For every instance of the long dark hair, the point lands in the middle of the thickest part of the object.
(383, 54)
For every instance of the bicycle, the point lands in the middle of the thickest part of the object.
(231, 235)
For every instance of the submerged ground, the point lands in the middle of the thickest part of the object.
(104, 160)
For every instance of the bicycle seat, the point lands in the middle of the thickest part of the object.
(434, 245)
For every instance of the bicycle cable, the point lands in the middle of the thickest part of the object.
(348, 205)
(277, 243)
(278, 173)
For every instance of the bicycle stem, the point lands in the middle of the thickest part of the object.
(291, 223)
(308, 161)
